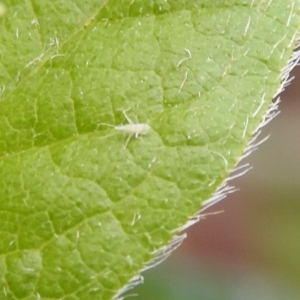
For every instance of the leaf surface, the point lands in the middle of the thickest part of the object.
(80, 214)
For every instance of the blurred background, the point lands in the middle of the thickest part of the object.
(252, 250)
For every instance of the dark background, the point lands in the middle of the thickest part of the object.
(252, 250)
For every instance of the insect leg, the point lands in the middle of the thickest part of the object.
(127, 118)
(128, 139)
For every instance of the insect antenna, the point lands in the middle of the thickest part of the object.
(105, 124)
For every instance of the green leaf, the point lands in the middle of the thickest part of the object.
(80, 214)
(2, 9)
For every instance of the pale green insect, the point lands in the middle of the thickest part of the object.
(133, 129)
